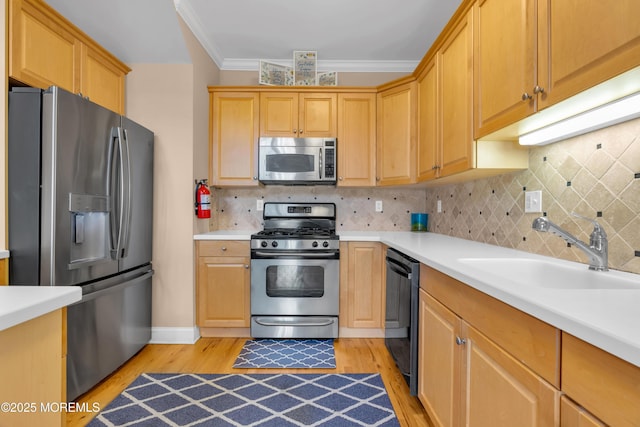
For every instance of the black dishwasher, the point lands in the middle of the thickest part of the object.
(401, 320)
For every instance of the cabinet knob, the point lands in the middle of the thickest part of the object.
(300, 131)
(460, 341)
(246, 266)
(255, 178)
(295, 131)
(538, 89)
(339, 178)
(526, 96)
(224, 249)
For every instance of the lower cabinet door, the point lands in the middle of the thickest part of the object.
(501, 392)
(223, 292)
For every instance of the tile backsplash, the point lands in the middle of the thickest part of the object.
(235, 209)
(596, 175)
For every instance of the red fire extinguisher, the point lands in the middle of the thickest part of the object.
(203, 199)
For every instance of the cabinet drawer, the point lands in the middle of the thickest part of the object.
(224, 248)
(533, 342)
(603, 384)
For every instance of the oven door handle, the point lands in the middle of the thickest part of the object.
(294, 255)
(264, 322)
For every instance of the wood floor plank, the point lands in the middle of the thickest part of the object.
(217, 355)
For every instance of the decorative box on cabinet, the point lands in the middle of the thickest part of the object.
(45, 49)
(222, 284)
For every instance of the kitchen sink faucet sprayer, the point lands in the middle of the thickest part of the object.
(598, 248)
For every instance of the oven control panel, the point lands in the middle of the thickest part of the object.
(295, 244)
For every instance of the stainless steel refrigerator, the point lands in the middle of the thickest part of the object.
(80, 181)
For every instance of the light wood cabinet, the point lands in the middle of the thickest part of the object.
(572, 56)
(396, 133)
(293, 114)
(482, 362)
(356, 139)
(234, 134)
(361, 289)
(45, 49)
(223, 284)
(530, 54)
(445, 107)
(102, 79)
(572, 415)
(606, 386)
(33, 371)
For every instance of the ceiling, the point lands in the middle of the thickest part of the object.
(348, 35)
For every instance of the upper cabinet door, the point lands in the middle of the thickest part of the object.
(101, 80)
(279, 114)
(456, 80)
(42, 52)
(504, 62)
(318, 115)
(357, 139)
(396, 161)
(298, 115)
(583, 43)
(234, 138)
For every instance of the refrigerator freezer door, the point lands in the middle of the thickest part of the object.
(106, 328)
(77, 146)
(137, 239)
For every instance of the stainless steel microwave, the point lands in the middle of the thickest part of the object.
(297, 161)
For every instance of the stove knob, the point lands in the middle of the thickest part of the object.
(274, 244)
(314, 244)
(263, 243)
(325, 244)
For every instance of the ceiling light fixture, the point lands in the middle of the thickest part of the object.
(618, 111)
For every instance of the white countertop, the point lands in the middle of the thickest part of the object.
(606, 318)
(19, 304)
(4, 254)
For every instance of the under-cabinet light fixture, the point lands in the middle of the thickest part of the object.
(618, 111)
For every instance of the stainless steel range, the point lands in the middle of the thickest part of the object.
(295, 272)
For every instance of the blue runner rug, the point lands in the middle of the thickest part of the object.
(261, 400)
(286, 353)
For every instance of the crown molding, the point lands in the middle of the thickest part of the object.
(190, 18)
(356, 66)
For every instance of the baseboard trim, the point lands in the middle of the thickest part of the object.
(165, 335)
(361, 333)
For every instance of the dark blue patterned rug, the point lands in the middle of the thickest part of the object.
(261, 400)
(286, 353)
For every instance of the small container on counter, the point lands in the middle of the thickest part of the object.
(419, 221)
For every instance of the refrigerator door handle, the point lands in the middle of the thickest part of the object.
(121, 182)
(110, 289)
(112, 191)
(126, 192)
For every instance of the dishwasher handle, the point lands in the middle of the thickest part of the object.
(398, 268)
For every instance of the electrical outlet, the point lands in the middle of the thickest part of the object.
(259, 205)
(378, 205)
(533, 201)
(439, 204)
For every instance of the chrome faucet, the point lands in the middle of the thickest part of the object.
(598, 248)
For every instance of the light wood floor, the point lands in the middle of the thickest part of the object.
(217, 355)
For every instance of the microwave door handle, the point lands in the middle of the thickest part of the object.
(320, 164)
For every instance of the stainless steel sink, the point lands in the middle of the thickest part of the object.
(551, 274)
